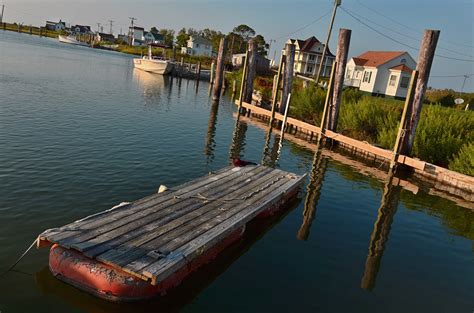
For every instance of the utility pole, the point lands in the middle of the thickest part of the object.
(131, 31)
(101, 29)
(111, 24)
(1, 17)
(323, 56)
(98, 27)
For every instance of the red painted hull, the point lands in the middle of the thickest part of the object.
(113, 284)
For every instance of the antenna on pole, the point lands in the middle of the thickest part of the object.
(131, 31)
(111, 25)
(325, 48)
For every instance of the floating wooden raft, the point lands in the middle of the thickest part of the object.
(154, 237)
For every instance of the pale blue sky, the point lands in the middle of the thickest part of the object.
(276, 19)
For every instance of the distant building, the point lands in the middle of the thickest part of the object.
(123, 37)
(81, 29)
(308, 57)
(381, 72)
(102, 37)
(55, 26)
(137, 35)
(197, 45)
(155, 38)
(262, 63)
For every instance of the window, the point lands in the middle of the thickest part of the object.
(348, 73)
(197, 45)
(312, 57)
(367, 76)
(403, 61)
(404, 82)
(393, 80)
(309, 68)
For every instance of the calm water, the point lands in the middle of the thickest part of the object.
(81, 131)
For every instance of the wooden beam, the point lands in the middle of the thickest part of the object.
(244, 77)
(425, 60)
(251, 71)
(288, 74)
(276, 89)
(219, 69)
(326, 102)
(341, 61)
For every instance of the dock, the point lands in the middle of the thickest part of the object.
(155, 237)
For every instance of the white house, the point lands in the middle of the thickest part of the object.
(308, 56)
(81, 29)
(137, 35)
(198, 46)
(55, 26)
(384, 73)
(155, 38)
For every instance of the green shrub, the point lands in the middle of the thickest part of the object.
(463, 162)
(307, 104)
(441, 133)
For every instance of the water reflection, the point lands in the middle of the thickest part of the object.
(313, 192)
(211, 132)
(237, 148)
(271, 152)
(380, 233)
(152, 85)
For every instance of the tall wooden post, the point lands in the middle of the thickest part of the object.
(244, 78)
(326, 103)
(31, 30)
(425, 60)
(174, 53)
(213, 66)
(277, 88)
(341, 61)
(219, 69)
(198, 71)
(251, 71)
(288, 80)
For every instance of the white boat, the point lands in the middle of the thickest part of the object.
(71, 40)
(152, 65)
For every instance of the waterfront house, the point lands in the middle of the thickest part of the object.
(137, 35)
(197, 45)
(308, 57)
(81, 30)
(55, 26)
(262, 63)
(154, 38)
(383, 73)
(103, 37)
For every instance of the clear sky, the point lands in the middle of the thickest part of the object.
(401, 20)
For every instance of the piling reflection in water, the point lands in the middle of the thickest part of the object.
(271, 153)
(313, 191)
(380, 233)
(237, 148)
(211, 132)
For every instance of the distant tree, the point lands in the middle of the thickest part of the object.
(154, 30)
(245, 31)
(213, 36)
(182, 37)
(168, 35)
(262, 46)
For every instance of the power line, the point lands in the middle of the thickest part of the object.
(405, 35)
(448, 76)
(407, 27)
(305, 26)
(398, 41)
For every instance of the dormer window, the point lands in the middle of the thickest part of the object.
(403, 61)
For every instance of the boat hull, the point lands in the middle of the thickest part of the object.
(71, 41)
(153, 66)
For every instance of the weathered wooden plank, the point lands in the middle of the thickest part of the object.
(152, 241)
(168, 198)
(155, 212)
(162, 268)
(205, 223)
(144, 228)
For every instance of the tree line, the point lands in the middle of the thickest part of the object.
(237, 39)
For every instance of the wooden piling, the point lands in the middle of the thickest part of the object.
(213, 66)
(326, 103)
(198, 71)
(341, 61)
(31, 30)
(288, 80)
(219, 69)
(234, 87)
(425, 60)
(242, 85)
(251, 71)
(277, 89)
(174, 53)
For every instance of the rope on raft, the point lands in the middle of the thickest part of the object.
(20, 258)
